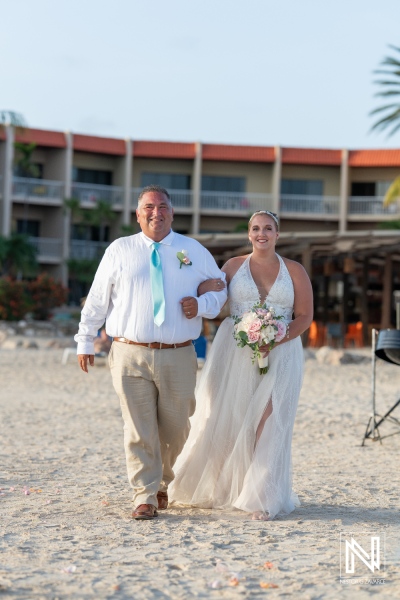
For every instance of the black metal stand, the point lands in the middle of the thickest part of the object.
(372, 430)
(373, 433)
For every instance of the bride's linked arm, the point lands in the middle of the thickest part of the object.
(303, 303)
(216, 285)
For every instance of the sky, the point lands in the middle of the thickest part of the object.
(258, 72)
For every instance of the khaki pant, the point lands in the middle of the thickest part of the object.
(156, 392)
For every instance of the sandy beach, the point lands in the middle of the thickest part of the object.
(66, 530)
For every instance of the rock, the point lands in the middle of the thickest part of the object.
(11, 344)
(30, 344)
(60, 343)
(331, 356)
(308, 354)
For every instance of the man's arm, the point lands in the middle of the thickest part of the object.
(95, 310)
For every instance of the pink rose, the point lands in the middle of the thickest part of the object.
(281, 331)
(253, 336)
(255, 326)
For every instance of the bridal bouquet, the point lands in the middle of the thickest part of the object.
(257, 327)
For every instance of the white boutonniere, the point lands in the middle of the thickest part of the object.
(183, 258)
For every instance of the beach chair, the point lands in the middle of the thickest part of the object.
(354, 335)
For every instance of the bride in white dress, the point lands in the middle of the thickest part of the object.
(238, 453)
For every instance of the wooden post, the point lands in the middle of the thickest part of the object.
(386, 293)
(364, 302)
(344, 308)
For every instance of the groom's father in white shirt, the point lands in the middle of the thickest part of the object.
(146, 290)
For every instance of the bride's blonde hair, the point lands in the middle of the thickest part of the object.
(273, 216)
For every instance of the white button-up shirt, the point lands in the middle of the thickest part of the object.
(121, 292)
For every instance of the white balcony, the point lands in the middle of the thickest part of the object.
(89, 194)
(38, 191)
(371, 205)
(48, 250)
(82, 249)
(181, 199)
(317, 205)
(240, 203)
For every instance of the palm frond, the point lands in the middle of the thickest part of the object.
(388, 93)
(381, 108)
(10, 117)
(393, 193)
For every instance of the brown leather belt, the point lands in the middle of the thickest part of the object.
(153, 345)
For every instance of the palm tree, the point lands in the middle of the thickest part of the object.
(10, 117)
(23, 160)
(17, 256)
(100, 216)
(390, 88)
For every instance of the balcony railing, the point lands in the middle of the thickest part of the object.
(30, 190)
(47, 248)
(371, 205)
(323, 205)
(235, 201)
(89, 194)
(179, 198)
(82, 249)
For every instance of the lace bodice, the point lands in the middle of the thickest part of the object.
(243, 292)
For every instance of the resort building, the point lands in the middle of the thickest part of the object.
(329, 203)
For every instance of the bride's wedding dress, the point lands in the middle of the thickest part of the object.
(222, 465)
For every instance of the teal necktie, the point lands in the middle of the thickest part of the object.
(157, 287)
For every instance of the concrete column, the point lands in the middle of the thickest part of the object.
(67, 214)
(126, 216)
(7, 183)
(386, 293)
(196, 190)
(344, 189)
(276, 181)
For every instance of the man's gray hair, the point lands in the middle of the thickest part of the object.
(154, 188)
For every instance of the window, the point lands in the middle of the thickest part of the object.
(90, 233)
(36, 173)
(363, 189)
(169, 181)
(382, 187)
(217, 183)
(94, 176)
(302, 187)
(28, 227)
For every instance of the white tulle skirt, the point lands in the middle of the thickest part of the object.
(221, 465)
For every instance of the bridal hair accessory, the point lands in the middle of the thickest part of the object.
(257, 327)
(266, 212)
(183, 258)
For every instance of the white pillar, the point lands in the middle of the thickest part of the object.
(196, 189)
(126, 216)
(67, 215)
(276, 181)
(344, 188)
(8, 175)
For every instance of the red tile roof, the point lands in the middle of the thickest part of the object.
(374, 158)
(99, 145)
(311, 156)
(265, 154)
(143, 149)
(41, 137)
